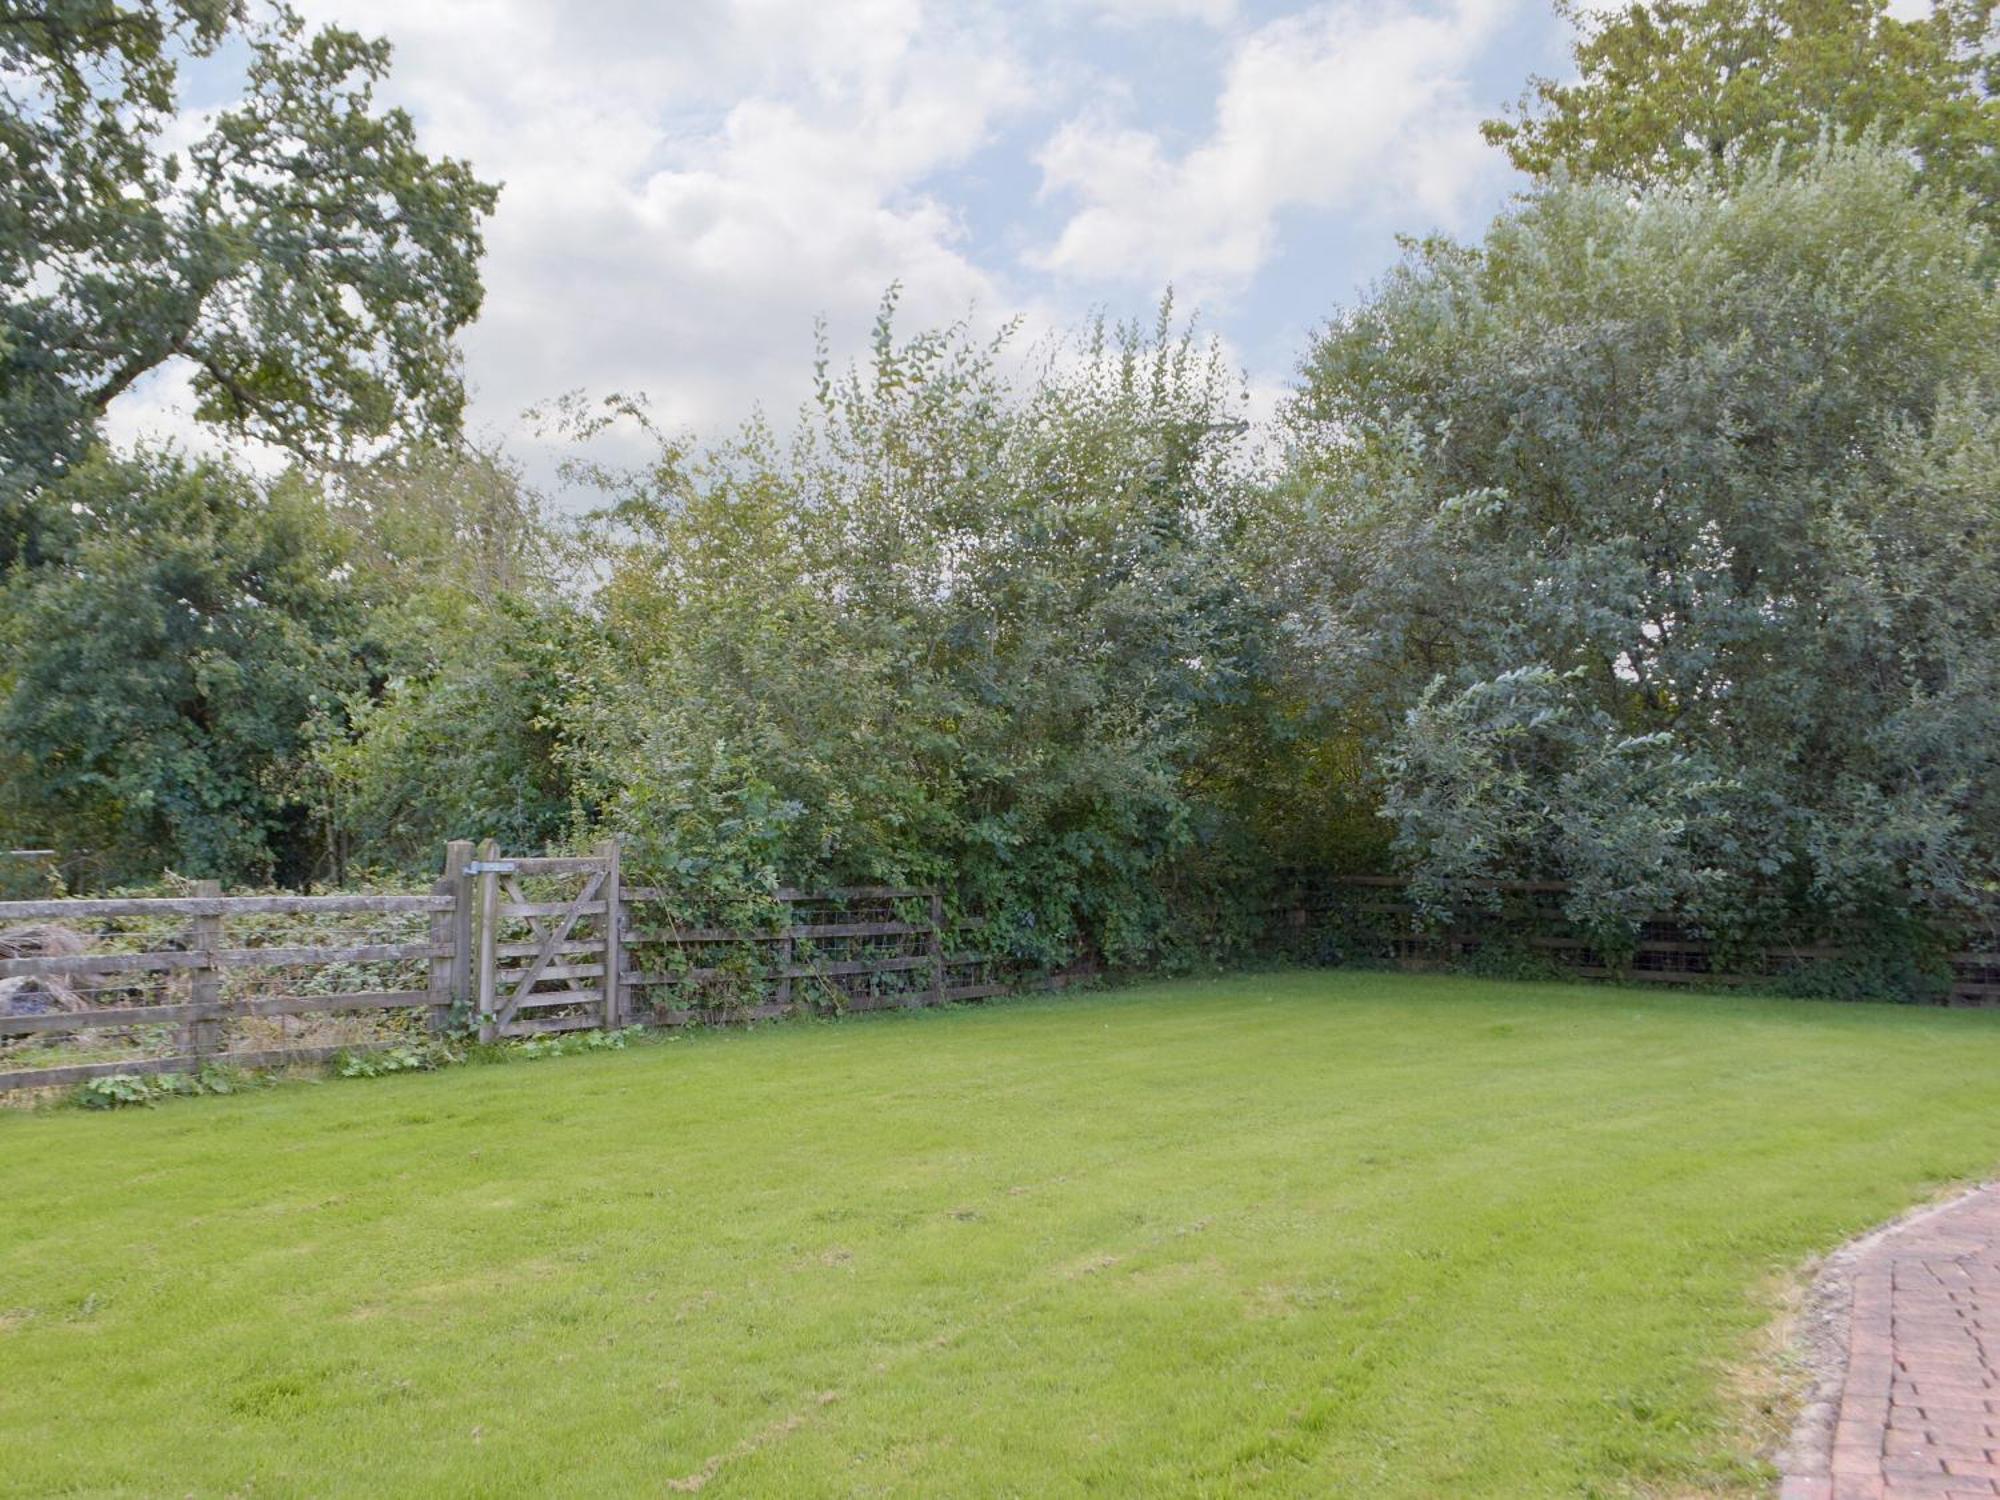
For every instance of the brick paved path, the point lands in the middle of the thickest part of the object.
(1919, 1413)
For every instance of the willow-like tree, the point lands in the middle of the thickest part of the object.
(1655, 541)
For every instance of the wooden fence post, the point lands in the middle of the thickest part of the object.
(614, 937)
(936, 947)
(452, 930)
(489, 943)
(204, 1030)
(786, 955)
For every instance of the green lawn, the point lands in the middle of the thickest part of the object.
(1328, 1235)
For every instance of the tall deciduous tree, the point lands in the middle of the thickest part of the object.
(1669, 88)
(303, 257)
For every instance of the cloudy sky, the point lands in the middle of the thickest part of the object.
(688, 185)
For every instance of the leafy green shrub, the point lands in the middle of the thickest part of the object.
(162, 664)
(573, 1043)
(964, 629)
(421, 1057)
(1881, 969)
(122, 1090)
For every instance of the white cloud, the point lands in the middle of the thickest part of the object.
(1345, 106)
(685, 191)
(1139, 12)
(687, 187)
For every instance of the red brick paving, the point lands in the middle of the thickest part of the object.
(1919, 1411)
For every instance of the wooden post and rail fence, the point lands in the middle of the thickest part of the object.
(509, 947)
(499, 947)
(1666, 949)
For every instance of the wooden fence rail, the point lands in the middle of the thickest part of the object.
(1666, 952)
(194, 978)
(501, 946)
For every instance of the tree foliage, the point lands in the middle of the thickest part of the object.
(1670, 525)
(965, 627)
(462, 729)
(164, 665)
(1668, 89)
(302, 256)
(1650, 545)
(283, 679)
